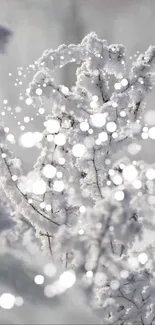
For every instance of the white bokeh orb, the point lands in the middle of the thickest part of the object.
(39, 187)
(49, 171)
(78, 150)
(98, 120)
(52, 126)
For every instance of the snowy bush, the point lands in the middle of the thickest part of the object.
(88, 206)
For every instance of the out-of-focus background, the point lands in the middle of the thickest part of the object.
(38, 25)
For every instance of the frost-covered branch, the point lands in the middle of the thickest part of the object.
(87, 206)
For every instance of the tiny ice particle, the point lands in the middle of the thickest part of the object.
(78, 150)
(89, 274)
(39, 279)
(84, 126)
(111, 127)
(14, 178)
(39, 91)
(150, 174)
(28, 101)
(58, 186)
(26, 119)
(67, 279)
(151, 133)
(7, 301)
(142, 258)
(82, 209)
(124, 82)
(130, 173)
(117, 86)
(49, 171)
(41, 110)
(119, 195)
(10, 138)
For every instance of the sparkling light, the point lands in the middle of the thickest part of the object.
(103, 136)
(117, 180)
(115, 135)
(130, 173)
(98, 120)
(142, 258)
(62, 161)
(14, 178)
(42, 205)
(111, 127)
(137, 184)
(82, 209)
(50, 137)
(78, 150)
(149, 117)
(117, 86)
(84, 126)
(58, 186)
(95, 98)
(81, 232)
(41, 110)
(151, 133)
(60, 139)
(48, 207)
(10, 138)
(67, 279)
(39, 279)
(65, 90)
(39, 91)
(27, 140)
(144, 136)
(150, 174)
(114, 104)
(59, 174)
(52, 125)
(119, 195)
(39, 187)
(5, 101)
(49, 171)
(26, 119)
(6, 129)
(93, 104)
(124, 82)
(122, 113)
(89, 274)
(98, 142)
(90, 131)
(111, 172)
(133, 262)
(28, 101)
(7, 300)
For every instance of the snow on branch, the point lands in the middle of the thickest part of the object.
(87, 206)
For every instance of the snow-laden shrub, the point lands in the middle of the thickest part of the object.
(87, 206)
